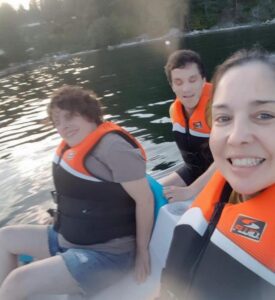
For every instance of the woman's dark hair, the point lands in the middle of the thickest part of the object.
(77, 100)
(239, 58)
(180, 59)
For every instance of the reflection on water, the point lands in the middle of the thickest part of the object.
(133, 91)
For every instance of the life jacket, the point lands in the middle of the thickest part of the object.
(192, 135)
(221, 250)
(90, 210)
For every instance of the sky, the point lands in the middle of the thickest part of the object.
(15, 3)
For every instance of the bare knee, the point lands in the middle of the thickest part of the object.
(16, 286)
(6, 234)
(6, 253)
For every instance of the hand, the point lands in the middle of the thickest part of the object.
(176, 193)
(46, 218)
(142, 266)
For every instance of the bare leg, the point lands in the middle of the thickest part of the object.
(47, 276)
(15, 240)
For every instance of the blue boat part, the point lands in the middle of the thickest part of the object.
(157, 190)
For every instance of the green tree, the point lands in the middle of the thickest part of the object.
(34, 11)
(10, 39)
(22, 15)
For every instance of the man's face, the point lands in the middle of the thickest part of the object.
(73, 128)
(187, 84)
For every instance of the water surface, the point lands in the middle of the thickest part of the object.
(133, 91)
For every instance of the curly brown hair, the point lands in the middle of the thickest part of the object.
(77, 100)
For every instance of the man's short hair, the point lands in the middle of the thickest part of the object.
(180, 59)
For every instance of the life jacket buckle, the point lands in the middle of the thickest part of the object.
(55, 196)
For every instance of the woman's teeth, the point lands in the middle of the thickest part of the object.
(246, 162)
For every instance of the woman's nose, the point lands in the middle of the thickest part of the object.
(240, 133)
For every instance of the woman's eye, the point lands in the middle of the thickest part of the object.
(265, 116)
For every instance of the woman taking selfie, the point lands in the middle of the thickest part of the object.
(224, 245)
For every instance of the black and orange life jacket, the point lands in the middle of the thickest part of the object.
(192, 135)
(221, 250)
(91, 210)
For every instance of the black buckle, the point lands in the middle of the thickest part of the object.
(54, 196)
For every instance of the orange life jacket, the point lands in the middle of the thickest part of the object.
(196, 124)
(192, 135)
(91, 210)
(234, 259)
(75, 156)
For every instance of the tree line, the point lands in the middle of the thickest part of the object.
(51, 26)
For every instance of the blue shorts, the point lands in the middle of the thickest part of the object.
(93, 270)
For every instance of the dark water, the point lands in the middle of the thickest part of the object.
(134, 92)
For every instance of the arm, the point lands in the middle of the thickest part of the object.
(140, 191)
(201, 181)
(175, 193)
(172, 178)
(128, 167)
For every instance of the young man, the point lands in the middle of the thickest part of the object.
(186, 75)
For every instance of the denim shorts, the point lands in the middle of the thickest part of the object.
(92, 270)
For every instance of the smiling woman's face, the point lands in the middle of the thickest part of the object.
(242, 139)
